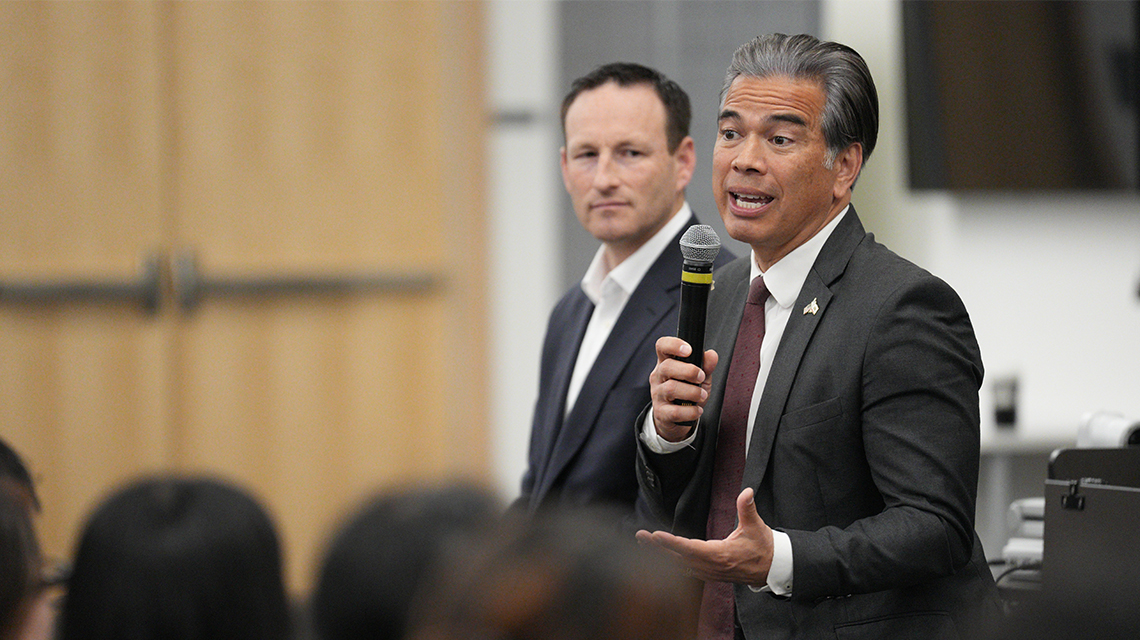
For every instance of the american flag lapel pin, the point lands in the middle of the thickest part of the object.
(812, 308)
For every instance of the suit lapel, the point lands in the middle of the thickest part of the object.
(797, 334)
(656, 295)
(571, 331)
(810, 308)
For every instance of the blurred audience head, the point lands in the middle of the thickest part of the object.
(177, 558)
(21, 577)
(15, 478)
(26, 606)
(379, 557)
(562, 576)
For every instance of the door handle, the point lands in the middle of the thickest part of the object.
(190, 285)
(145, 290)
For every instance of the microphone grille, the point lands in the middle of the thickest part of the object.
(700, 244)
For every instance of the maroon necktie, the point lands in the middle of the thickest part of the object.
(718, 603)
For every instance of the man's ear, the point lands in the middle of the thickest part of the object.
(848, 163)
(562, 163)
(686, 158)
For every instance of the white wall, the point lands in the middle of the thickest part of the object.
(525, 194)
(1051, 283)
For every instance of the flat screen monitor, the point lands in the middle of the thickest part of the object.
(1017, 96)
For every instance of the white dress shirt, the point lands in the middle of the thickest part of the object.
(784, 279)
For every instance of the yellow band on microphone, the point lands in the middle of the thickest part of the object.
(696, 278)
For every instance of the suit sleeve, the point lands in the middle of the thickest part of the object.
(918, 424)
(663, 477)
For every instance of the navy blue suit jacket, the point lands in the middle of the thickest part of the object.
(589, 458)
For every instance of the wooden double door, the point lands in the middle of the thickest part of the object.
(244, 239)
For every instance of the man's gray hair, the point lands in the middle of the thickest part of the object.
(851, 108)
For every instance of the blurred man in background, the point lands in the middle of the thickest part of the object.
(626, 162)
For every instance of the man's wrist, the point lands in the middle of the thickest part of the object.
(656, 443)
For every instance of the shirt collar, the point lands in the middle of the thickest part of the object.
(785, 278)
(629, 273)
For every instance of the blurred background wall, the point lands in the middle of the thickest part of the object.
(244, 239)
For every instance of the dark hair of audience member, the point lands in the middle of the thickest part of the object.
(20, 563)
(177, 558)
(562, 576)
(378, 558)
(14, 477)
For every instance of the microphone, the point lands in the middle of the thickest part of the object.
(699, 246)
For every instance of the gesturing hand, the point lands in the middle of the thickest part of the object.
(745, 556)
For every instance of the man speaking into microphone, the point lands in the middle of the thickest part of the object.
(827, 488)
(626, 161)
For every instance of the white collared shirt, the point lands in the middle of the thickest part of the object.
(611, 291)
(784, 279)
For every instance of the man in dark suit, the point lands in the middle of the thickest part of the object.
(828, 489)
(626, 162)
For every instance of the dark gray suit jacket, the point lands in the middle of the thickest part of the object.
(864, 451)
(588, 458)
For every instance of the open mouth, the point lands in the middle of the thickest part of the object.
(748, 201)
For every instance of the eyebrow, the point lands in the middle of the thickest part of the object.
(728, 114)
(791, 118)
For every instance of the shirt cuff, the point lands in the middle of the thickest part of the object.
(780, 575)
(660, 445)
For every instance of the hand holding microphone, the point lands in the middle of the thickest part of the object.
(699, 248)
